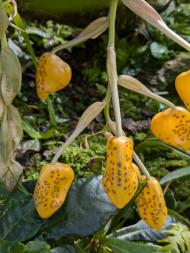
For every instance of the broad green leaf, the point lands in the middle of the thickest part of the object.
(152, 143)
(170, 199)
(158, 50)
(65, 249)
(83, 212)
(120, 246)
(72, 248)
(183, 205)
(17, 195)
(143, 232)
(30, 130)
(21, 217)
(37, 247)
(180, 174)
(30, 247)
(11, 247)
(18, 21)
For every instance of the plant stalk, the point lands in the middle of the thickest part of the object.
(112, 68)
(141, 165)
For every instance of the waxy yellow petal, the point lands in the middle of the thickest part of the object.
(52, 74)
(173, 127)
(119, 180)
(52, 187)
(151, 204)
(182, 85)
(136, 169)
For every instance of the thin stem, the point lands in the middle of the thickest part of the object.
(162, 100)
(112, 16)
(21, 186)
(140, 164)
(112, 68)
(78, 130)
(79, 247)
(116, 222)
(122, 222)
(106, 109)
(80, 39)
(116, 106)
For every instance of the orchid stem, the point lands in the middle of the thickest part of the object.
(112, 68)
(140, 164)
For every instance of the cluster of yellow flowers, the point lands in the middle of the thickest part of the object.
(120, 182)
(120, 179)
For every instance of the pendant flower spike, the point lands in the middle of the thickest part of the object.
(173, 127)
(119, 180)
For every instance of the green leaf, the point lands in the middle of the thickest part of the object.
(178, 216)
(72, 248)
(37, 247)
(158, 50)
(30, 130)
(180, 174)
(143, 232)
(11, 247)
(17, 195)
(18, 21)
(86, 207)
(183, 205)
(65, 249)
(120, 246)
(51, 112)
(170, 199)
(180, 239)
(49, 133)
(21, 222)
(152, 143)
(30, 247)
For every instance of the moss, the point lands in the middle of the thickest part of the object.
(34, 167)
(77, 156)
(139, 137)
(181, 189)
